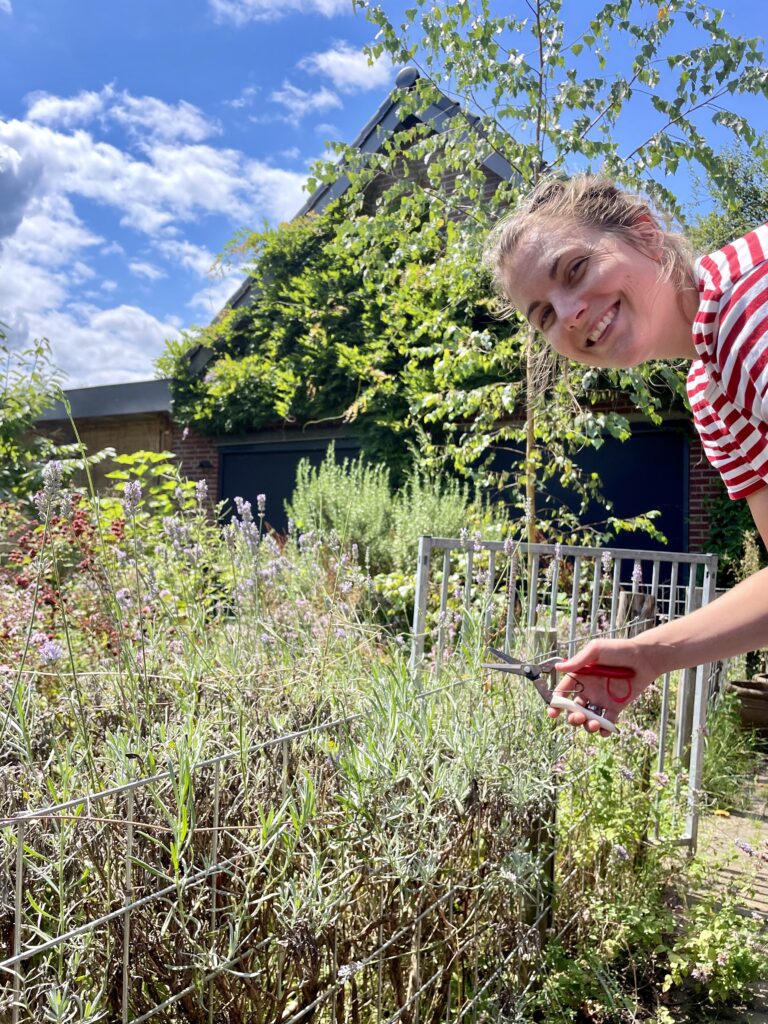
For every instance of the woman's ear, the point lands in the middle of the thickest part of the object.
(649, 236)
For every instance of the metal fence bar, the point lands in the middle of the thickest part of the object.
(596, 588)
(126, 988)
(575, 593)
(17, 921)
(215, 877)
(511, 598)
(442, 614)
(420, 604)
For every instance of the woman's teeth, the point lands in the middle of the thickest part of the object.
(601, 327)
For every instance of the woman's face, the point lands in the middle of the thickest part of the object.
(596, 298)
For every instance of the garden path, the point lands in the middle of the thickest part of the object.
(724, 843)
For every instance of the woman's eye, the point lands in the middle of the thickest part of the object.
(575, 267)
(544, 319)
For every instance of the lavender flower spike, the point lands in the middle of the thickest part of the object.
(131, 498)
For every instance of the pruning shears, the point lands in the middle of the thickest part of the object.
(536, 671)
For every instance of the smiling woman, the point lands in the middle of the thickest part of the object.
(593, 269)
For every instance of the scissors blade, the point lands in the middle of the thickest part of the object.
(527, 669)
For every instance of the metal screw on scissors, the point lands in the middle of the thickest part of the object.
(536, 672)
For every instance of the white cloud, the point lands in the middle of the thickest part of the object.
(50, 234)
(104, 346)
(245, 99)
(240, 12)
(192, 257)
(18, 180)
(212, 298)
(277, 190)
(298, 103)
(108, 285)
(161, 120)
(169, 184)
(55, 110)
(148, 270)
(348, 68)
(5, 7)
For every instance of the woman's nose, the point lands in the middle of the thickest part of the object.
(572, 310)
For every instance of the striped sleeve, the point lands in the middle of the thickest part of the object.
(728, 383)
(720, 438)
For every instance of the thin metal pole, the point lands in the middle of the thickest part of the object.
(380, 960)
(615, 592)
(129, 899)
(420, 604)
(20, 829)
(533, 586)
(596, 586)
(214, 878)
(490, 590)
(511, 597)
(443, 605)
(574, 602)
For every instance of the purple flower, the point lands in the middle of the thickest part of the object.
(557, 552)
(626, 773)
(661, 779)
(637, 574)
(131, 498)
(341, 633)
(605, 560)
(509, 547)
(185, 434)
(51, 487)
(201, 491)
(745, 846)
(50, 651)
(123, 597)
(649, 737)
(620, 852)
(261, 503)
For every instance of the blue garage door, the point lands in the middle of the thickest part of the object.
(270, 469)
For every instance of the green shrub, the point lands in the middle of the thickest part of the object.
(437, 507)
(351, 499)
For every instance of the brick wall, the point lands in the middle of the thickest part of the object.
(198, 457)
(703, 485)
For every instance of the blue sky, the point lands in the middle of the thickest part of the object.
(136, 139)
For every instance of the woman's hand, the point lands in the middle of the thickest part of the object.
(612, 694)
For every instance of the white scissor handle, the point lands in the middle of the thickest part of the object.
(566, 704)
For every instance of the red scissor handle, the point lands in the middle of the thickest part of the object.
(594, 668)
(610, 672)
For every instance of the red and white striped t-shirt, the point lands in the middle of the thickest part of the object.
(728, 382)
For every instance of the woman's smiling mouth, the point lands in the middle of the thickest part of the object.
(602, 326)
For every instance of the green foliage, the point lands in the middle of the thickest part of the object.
(351, 499)
(739, 207)
(163, 487)
(376, 313)
(29, 385)
(731, 758)
(354, 502)
(436, 506)
(720, 950)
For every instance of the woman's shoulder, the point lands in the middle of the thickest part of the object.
(721, 270)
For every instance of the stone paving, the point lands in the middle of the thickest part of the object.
(734, 869)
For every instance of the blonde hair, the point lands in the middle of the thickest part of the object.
(593, 202)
